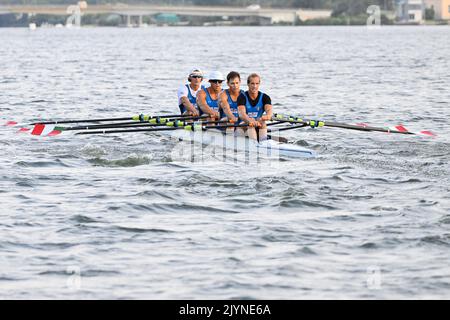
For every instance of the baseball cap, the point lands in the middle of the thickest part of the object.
(216, 75)
(196, 72)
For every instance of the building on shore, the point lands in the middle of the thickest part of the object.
(410, 11)
(441, 8)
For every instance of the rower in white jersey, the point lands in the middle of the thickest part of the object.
(255, 108)
(187, 94)
(228, 99)
(208, 98)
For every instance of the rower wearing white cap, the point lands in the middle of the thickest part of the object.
(187, 94)
(208, 98)
(255, 108)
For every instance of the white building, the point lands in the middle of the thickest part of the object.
(410, 11)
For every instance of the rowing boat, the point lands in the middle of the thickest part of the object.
(207, 132)
(267, 148)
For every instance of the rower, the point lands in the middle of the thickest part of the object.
(187, 94)
(255, 108)
(228, 99)
(208, 98)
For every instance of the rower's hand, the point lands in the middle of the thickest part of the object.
(260, 123)
(193, 113)
(252, 122)
(215, 115)
(233, 119)
(265, 118)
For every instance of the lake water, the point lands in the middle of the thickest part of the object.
(122, 217)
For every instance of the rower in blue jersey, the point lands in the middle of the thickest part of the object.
(187, 94)
(208, 98)
(255, 108)
(228, 99)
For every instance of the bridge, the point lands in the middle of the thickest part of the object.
(275, 15)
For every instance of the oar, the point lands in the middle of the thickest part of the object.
(289, 128)
(163, 122)
(194, 127)
(315, 123)
(53, 130)
(283, 139)
(140, 117)
(42, 129)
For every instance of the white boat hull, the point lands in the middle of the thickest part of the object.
(268, 148)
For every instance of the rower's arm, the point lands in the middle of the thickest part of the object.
(189, 106)
(223, 99)
(201, 103)
(269, 113)
(243, 113)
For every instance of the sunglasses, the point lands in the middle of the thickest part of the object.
(216, 81)
(197, 77)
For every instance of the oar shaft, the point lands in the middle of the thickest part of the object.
(363, 128)
(137, 125)
(189, 127)
(289, 128)
(140, 117)
(80, 121)
(133, 124)
(106, 126)
(129, 130)
(293, 120)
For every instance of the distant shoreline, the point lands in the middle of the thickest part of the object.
(212, 25)
(244, 26)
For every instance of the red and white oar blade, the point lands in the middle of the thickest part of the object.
(45, 130)
(54, 133)
(38, 129)
(428, 133)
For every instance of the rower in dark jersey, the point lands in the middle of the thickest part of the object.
(255, 108)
